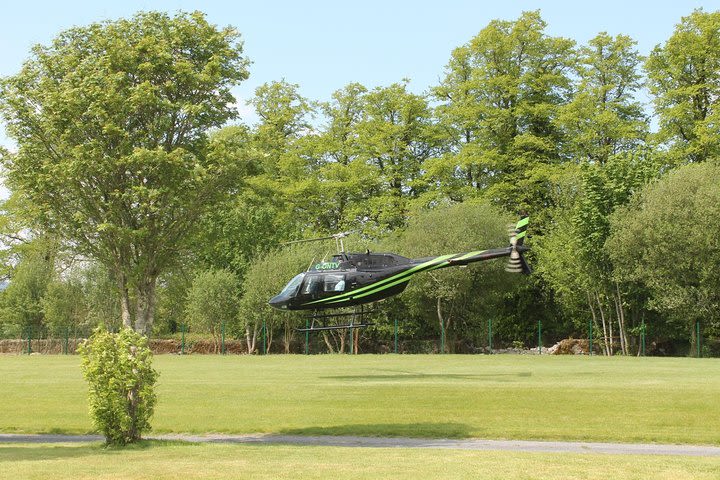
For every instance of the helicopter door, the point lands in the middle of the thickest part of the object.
(313, 286)
(322, 286)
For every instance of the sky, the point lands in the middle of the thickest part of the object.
(324, 45)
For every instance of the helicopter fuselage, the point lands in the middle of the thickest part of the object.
(358, 278)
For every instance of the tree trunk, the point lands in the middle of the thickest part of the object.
(145, 309)
(442, 325)
(124, 301)
(594, 322)
(250, 339)
(268, 338)
(607, 345)
(287, 336)
(621, 321)
(327, 342)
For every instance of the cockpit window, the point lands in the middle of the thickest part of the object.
(293, 285)
(334, 283)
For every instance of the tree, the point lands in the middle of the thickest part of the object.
(499, 99)
(21, 307)
(395, 136)
(603, 118)
(347, 180)
(118, 369)
(266, 277)
(253, 218)
(571, 256)
(667, 240)
(111, 122)
(212, 303)
(455, 296)
(64, 307)
(684, 77)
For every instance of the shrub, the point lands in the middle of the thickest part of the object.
(118, 368)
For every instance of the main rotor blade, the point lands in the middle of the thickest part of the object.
(306, 240)
(335, 236)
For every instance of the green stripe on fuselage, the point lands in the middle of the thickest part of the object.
(377, 286)
(397, 282)
(468, 255)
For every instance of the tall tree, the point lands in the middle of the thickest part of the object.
(572, 258)
(395, 136)
(111, 121)
(347, 180)
(451, 298)
(684, 77)
(499, 99)
(604, 118)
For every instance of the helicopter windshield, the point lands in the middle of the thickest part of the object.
(292, 286)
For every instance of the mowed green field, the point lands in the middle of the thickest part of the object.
(162, 460)
(667, 400)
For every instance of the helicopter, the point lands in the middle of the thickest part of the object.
(352, 279)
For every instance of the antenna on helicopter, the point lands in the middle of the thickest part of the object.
(337, 236)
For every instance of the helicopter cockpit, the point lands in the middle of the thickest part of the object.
(309, 286)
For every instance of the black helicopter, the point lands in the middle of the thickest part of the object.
(351, 279)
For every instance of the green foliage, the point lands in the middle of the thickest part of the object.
(500, 96)
(212, 303)
(667, 240)
(65, 307)
(395, 136)
(457, 298)
(111, 122)
(101, 295)
(683, 78)
(118, 369)
(266, 277)
(21, 306)
(604, 118)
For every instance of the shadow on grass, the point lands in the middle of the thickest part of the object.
(32, 452)
(413, 430)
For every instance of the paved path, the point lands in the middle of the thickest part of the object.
(387, 442)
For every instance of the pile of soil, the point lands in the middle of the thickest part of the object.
(570, 346)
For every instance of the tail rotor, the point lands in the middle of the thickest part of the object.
(517, 263)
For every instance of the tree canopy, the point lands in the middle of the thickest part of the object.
(111, 122)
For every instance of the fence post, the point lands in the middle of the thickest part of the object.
(222, 338)
(182, 339)
(539, 337)
(697, 338)
(65, 344)
(396, 335)
(307, 337)
(490, 336)
(590, 336)
(29, 339)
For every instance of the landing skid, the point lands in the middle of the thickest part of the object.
(324, 327)
(334, 327)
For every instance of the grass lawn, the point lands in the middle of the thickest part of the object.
(161, 460)
(669, 400)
